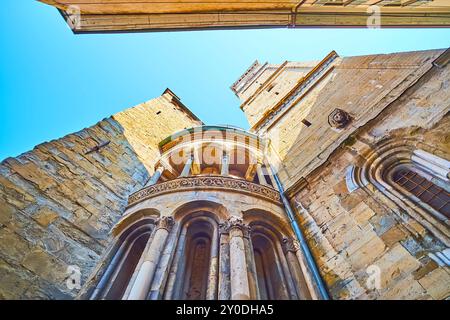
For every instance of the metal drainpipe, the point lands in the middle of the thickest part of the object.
(301, 239)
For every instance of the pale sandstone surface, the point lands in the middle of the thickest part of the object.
(58, 204)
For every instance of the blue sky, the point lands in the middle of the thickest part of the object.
(53, 83)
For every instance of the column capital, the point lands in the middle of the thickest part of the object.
(290, 245)
(165, 223)
(224, 227)
(237, 223)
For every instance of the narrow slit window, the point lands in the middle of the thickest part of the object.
(271, 86)
(306, 122)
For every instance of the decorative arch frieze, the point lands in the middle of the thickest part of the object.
(196, 183)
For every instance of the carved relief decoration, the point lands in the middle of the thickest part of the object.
(290, 245)
(339, 119)
(165, 223)
(207, 182)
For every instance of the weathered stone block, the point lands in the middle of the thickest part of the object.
(45, 216)
(406, 289)
(362, 213)
(393, 236)
(394, 264)
(437, 283)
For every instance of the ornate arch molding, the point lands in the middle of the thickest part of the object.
(381, 161)
(131, 219)
(196, 225)
(191, 209)
(268, 254)
(100, 283)
(262, 218)
(207, 183)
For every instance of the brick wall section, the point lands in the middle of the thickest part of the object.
(57, 204)
(348, 232)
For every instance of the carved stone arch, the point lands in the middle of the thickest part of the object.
(194, 270)
(113, 275)
(381, 161)
(273, 277)
(273, 273)
(278, 225)
(133, 217)
(215, 209)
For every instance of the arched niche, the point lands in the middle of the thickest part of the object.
(278, 271)
(277, 224)
(132, 218)
(187, 210)
(123, 258)
(193, 273)
(273, 276)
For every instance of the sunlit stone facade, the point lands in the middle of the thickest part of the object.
(339, 190)
(217, 224)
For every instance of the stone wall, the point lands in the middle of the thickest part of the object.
(351, 233)
(58, 203)
(361, 86)
(264, 88)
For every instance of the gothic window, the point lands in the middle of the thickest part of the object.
(416, 181)
(425, 190)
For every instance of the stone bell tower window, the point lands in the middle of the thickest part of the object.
(425, 190)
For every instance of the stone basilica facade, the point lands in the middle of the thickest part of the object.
(340, 190)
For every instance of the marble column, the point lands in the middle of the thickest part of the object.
(175, 281)
(251, 264)
(224, 292)
(197, 158)
(154, 179)
(238, 264)
(160, 278)
(225, 166)
(306, 288)
(211, 292)
(141, 285)
(99, 289)
(187, 167)
(260, 173)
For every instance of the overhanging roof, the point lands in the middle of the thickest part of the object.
(99, 16)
